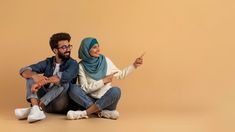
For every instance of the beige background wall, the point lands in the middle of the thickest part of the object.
(189, 62)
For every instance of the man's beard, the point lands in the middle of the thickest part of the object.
(63, 56)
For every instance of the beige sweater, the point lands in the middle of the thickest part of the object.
(97, 89)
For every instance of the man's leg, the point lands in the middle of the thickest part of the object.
(57, 100)
(33, 113)
(51, 94)
(30, 96)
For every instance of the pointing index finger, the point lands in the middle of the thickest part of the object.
(115, 73)
(142, 55)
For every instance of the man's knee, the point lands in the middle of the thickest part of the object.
(60, 103)
(29, 82)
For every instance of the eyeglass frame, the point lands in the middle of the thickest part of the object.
(65, 47)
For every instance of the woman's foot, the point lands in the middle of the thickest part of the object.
(74, 115)
(109, 114)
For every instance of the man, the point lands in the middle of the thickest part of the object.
(49, 91)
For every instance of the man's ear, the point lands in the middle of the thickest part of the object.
(55, 50)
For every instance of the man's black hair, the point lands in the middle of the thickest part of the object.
(55, 38)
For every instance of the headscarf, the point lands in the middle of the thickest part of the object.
(95, 67)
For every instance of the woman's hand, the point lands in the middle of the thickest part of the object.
(109, 78)
(139, 61)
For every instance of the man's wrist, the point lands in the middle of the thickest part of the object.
(33, 76)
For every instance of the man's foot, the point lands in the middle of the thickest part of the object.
(36, 114)
(109, 114)
(74, 115)
(22, 113)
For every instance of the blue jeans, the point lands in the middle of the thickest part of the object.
(108, 101)
(55, 99)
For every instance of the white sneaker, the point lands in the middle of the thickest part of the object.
(110, 114)
(22, 113)
(73, 115)
(35, 114)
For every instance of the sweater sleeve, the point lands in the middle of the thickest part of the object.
(121, 74)
(88, 87)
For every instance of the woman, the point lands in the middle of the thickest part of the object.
(96, 95)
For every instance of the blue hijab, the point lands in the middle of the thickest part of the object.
(95, 67)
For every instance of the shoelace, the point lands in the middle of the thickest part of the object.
(40, 108)
(99, 115)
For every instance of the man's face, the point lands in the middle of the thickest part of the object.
(63, 50)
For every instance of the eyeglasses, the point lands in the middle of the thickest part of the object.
(65, 47)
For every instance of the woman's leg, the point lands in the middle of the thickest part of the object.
(110, 99)
(80, 97)
(110, 111)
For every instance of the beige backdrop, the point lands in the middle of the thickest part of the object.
(189, 63)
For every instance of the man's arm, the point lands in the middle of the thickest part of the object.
(61, 77)
(34, 71)
(30, 74)
(53, 79)
(37, 68)
(27, 73)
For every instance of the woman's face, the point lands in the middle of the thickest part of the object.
(95, 51)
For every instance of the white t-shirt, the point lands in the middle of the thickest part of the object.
(56, 71)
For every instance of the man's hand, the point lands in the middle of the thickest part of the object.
(39, 78)
(54, 79)
(35, 87)
(139, 61)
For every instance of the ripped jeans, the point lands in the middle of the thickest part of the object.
(55, 99)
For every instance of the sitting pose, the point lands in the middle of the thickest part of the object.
(95, 93)
(49, 90)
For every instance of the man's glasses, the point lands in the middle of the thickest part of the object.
(65, 47)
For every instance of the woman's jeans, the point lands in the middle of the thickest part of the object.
(108, 101)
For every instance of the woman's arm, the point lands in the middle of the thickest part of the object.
(88, 87)
(120, 74)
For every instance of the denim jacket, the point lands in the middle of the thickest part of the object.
(68, 69)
